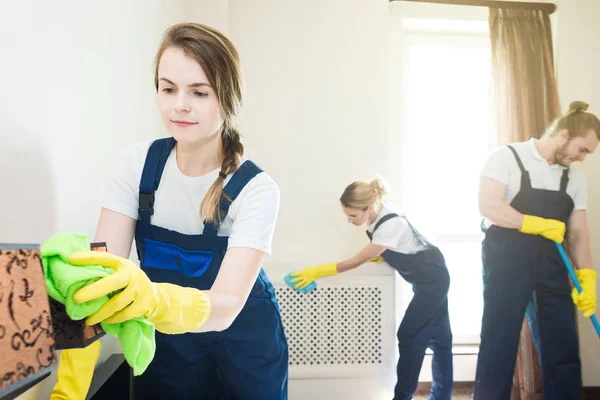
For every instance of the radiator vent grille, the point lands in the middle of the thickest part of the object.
(333, 325)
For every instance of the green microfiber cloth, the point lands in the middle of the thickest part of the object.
(63, 280)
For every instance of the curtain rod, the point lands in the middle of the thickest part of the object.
(547, 7)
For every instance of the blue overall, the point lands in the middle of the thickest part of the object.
(517, 266)
(426, 323)
(247, 361)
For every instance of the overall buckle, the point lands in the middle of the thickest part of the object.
(146, 203)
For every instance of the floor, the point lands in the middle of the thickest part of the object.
(458, 394)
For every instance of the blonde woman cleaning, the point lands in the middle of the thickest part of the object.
(426, 323)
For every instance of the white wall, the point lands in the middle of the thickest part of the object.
(214, 13)
(314, 115)
(578, 62)
(77, 85)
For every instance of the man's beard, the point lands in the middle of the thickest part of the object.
(561, 155)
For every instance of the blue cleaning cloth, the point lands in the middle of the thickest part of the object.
(288, 279)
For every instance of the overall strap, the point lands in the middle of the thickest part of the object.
(564, 180)
(525, 180)
(381, 221)
(244, 174)
(157, 156)
(417, 233)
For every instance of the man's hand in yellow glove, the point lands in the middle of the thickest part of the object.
(586, 300)
(377, 260)
(308, 275)
(75, 371)
(172, 308)
(549, 228)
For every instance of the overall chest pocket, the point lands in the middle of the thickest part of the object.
(167, 256)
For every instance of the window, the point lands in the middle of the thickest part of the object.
(444, 120)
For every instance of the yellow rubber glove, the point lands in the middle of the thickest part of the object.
(549, 228)
(180, 309)
(377, 260)
(308, 275)
(75, 371)
(586, 300)
(171, 308)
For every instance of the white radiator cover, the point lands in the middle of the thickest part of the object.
(345, 328)
(342, 336)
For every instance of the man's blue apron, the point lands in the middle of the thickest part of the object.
(517, 266)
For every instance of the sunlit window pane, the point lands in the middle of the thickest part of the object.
(446, 131)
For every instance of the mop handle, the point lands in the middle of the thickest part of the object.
(561, 250)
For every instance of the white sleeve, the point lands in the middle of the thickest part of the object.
(254, 220)
(122, 192)
(393, 233)
(580, 193)
(499, 164)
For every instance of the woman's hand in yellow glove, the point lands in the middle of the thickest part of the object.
(308, 275)
(171, 308)
(137, 299)
(586, 300)
(75, 371)
(377, 260)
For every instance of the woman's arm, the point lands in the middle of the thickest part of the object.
(367, 253)
(117, 231)
(176, 309)
(229, 293)
(308, 275)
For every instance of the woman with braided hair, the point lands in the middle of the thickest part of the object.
(203, 218)
(394, 239)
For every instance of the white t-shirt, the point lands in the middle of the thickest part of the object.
(502, 166)
(395, 233)
(250, 221)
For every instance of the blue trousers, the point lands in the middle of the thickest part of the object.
(426, 324)
(512, 273)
